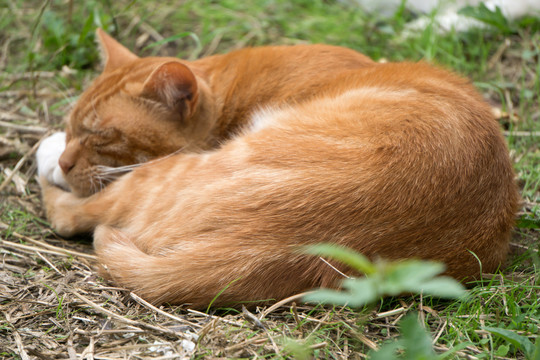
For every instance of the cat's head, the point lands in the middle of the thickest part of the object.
(136, 110)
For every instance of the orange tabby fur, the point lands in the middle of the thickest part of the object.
(397, 160)
(124, 118)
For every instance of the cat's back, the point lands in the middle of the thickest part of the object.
(252, 78)
(417, 95)
(401, 141)
(285, 59)
(280, 74)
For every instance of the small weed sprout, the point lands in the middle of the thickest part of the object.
(389, 278)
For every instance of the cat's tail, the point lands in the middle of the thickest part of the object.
(219, 272)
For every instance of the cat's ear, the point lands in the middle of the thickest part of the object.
(174, 85)
(113, 53)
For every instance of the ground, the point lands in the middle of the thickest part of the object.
(52, 304)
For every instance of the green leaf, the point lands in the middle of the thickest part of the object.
(346, 256)
(528, 222)
(443, 287)
(502, 350)
(409, 276)
(521, 342)
(298, 350)
(415, 343)
(536, 355)
(383, 278)
(414, 272)
(386, 352)
(361, 292)
(364, 287)
(327, 296)
(415, 339)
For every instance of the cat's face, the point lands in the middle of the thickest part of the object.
(136, 110)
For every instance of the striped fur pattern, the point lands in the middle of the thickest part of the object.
(396, 160)
(140, 109)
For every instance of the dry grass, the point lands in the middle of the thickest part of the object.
(52, 305)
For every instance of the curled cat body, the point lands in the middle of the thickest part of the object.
(280, 147)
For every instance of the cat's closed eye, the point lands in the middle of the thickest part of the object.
(102, 137)
(99, 141)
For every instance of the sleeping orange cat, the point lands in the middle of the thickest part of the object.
(232, 162)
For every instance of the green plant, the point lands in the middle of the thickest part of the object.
(503, 61)
(413, 344)
(383, 279)
(531, 351)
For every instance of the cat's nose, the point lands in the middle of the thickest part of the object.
(69, 157)
(65, 165)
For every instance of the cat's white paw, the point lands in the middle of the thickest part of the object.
(47, 156)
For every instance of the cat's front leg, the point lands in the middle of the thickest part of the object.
(65, 211)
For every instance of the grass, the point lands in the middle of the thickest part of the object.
(52, 305)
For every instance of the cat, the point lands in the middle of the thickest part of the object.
(280, 147)
(132, 113)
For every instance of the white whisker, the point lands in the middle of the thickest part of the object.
(107, 174)
(101, 184)
(109, 170)
(116, 170)
(93, 187)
